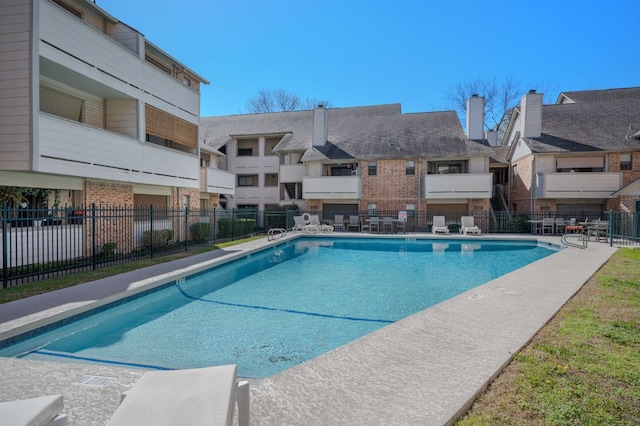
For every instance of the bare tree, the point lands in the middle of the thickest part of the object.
(500, 97)
(280, 100)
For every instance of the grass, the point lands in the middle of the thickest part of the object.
(583, 367)
(44, 286)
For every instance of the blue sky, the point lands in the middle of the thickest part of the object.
(354, 52)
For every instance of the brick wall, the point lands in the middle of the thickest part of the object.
(391, 188)
(110, 228)
(521, 190)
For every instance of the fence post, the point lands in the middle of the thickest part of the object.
(186, 228)
(5, 259)
(610, 230)
(151, 242)
(94, 237)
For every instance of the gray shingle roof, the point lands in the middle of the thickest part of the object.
(599, 120)
(371, 132)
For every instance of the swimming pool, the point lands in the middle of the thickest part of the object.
(280, 307)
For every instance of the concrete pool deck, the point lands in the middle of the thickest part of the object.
(423, 370)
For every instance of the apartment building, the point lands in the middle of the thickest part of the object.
(342, 160)
(580, 154)
(91, 108)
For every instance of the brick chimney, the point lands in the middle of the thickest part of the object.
(531, 111)
(475, 117)
(320, 126)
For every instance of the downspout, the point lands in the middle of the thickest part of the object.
(533, 174)
(419, 189)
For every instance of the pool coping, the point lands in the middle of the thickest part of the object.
(425, 369)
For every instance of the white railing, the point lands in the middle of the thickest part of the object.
(577, 185)
(463, 185)
(331, 187)
(71, 148)
(218, 181)
(292, 173)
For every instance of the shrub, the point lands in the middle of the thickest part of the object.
(161, 239)
(109, 249)
(235, 227)
(199, 232)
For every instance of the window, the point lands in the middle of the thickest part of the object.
(625, 161)
(411, 210)
(271, 179)
(61, 104)
(247, 180)
(186, 81)
(373, 168)
(410, 167)
(447, 167)
(247, 147)
(580, 164)
(515, 175)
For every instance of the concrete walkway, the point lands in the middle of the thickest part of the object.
(423, 370)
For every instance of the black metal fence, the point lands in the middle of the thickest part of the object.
(43, 243)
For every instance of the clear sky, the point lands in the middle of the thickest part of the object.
(354, 52)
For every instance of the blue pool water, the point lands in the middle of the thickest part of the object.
(280, 307)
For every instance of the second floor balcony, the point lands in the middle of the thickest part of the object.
(66, 147)
(457, 186)
(331, 187)
(292, 173)
(216, 181)
(576, 185)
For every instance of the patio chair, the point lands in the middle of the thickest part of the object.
(439, 225)
(468, 226)
(354, 222)
(374, 224)
(548, 226)
(199, 396)
(314, 220)
(41, 411)
(401, 225)
(338, 223)
(388, 225)
(561, 225)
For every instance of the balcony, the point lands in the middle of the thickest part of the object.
(79, 47)
(292, 173)
(458, 186)
(576, 185)
(70, 148)
(331, 188)
(216, 181)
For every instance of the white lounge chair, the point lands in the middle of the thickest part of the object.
(200, 396)
(41, 411)
(314, 220)
(468, 226)
(301, 225)
(439, 225)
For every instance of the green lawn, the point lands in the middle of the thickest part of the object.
(583, 368)
(26, 290)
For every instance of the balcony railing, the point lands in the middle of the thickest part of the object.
(70, 148)
(216, 181)
(455, 186)
(331, 187)
(292, 173)
(577, 185)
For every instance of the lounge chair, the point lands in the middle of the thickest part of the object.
(439, 225)
(468, 226)
(338, 223)
(41, 411)
(314, 220)
(301, 225)
(200, 396)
